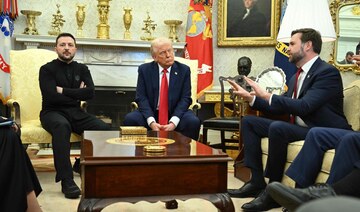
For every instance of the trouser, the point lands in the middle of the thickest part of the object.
(60, 125)
(189, 124)
(307, 163)
(280, 134)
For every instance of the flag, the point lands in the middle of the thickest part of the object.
(7, 27)
(199, 42)
(8, 13)
(281, 58)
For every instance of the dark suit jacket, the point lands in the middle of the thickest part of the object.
(147, 90)
(320, 101)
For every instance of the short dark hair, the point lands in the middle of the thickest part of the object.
(308, 34)
(65, 34)
(350, 53)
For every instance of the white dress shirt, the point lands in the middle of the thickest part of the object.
(175, 120)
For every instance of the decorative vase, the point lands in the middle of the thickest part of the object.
(127, 18)
(80, 18)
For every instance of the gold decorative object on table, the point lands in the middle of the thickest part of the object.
(133, 130)
(148, 28)
(154, 149)
(103, 28)
(57, 22)
(127, 18)
(140, 140)
(80, 18)
(172, 33)
(30, 21)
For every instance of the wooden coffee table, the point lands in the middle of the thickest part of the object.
(115, 170)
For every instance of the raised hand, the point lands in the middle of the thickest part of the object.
(239, 91)
(257, 90)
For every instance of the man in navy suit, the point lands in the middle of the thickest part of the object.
(181, 119)
(319, 102)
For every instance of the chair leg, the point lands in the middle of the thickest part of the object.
(223, 144)
(204, 137)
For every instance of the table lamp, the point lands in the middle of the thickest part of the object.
(307, 14)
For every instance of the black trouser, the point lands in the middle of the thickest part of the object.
(60, 125)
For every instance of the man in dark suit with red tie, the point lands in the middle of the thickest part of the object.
(318, 103)
(152, 78)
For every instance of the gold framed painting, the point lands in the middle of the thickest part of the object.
(248, 22)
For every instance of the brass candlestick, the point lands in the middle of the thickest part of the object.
(103, 28)
(148, 28)
(80, 18)
(30, 21)
(127, 18)
(172, 33)
(57, 22)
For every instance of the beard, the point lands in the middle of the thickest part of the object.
(296, 57)
(65, 58)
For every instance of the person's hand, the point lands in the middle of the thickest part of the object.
(59, 89)
(239, 91)
(257, 90)
(82, 84)
(168, 127)
(15, 127)
(155, 126)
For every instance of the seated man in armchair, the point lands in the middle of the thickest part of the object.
(163, 93)
(314, 98)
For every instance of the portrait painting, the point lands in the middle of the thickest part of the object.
(248, 22)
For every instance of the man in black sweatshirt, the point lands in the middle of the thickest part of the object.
(64, 83)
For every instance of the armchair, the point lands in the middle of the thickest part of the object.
(25, 102)
(193, 64)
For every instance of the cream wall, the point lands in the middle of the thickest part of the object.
(225, 59)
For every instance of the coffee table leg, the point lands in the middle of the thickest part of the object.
(223, 202)
(88, 205)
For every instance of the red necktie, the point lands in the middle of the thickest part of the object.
(163, 104)
(292, 117)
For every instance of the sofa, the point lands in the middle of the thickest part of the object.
(352, 113)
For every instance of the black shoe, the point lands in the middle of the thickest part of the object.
(249, 189)
(263, 202)
(70, 189)
(76, 166)
(292, 198)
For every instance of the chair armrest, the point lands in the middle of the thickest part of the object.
(133, 106)
(14, 110)
(195, 107)
(84, 105)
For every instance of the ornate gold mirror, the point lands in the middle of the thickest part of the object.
(346, 16)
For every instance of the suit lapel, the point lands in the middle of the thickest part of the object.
(154, 77)
(308, 77)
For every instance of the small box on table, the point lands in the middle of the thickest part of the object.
(132, 130)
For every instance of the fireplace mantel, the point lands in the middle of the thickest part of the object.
(37, 41)
(111, 62)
